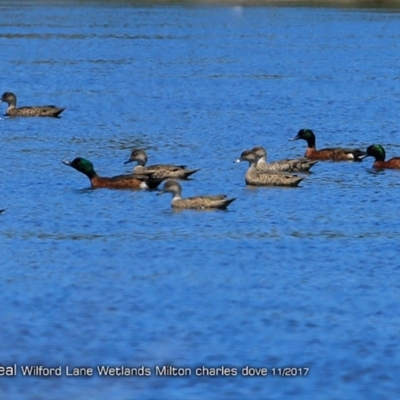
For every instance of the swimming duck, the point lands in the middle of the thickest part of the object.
(38, 111)
(198, 202)
(262, 178)
(377, 151)
(164, 170)
(131, 181)
(289, 165)
(333, 154)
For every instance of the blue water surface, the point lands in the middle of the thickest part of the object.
(304, 277)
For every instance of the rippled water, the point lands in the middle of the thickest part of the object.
(302, 277)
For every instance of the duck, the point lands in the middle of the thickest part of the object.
(167, 171)
(332, 154)
(198, 202)
(377, 151)
(37, 111)
(255, 177)
(131, 181)
(288, 165)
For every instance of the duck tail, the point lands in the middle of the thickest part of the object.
(190, 172)
(58, 112)
(226, 203)
(154, 180)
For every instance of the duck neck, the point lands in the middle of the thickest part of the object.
(90, 174)
(261, 160)
(253, 164)
(176, 196)
(176, 193)
(12, 102)
(311, 142)
(380, 157)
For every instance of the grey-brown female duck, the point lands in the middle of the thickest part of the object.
(198, 202)
(165, 170)
(38, 111)
(289, 165)
(260, 178)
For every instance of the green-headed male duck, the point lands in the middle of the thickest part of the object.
(132, 181)
(333, 154)
(36, 111)
(289, 165)
(165, 170)
(262, 178)
(198, 202)
(378, 152)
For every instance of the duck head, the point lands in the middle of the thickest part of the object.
(139, 156)
(82, 165)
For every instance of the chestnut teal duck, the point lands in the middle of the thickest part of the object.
(131, 181)
(38, 111)
(332, 154)
(197, 202)
(378, 152)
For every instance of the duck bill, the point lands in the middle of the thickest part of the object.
(160, 192)
(295, 138)
(129, 161)
(66, 162)
(238, 160)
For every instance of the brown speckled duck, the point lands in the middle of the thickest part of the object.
(260, 178)
(332, 154)
(289, 165)
(38, 111)
(132, 181)
(198, 202)
(165, 170)
(378, 152)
